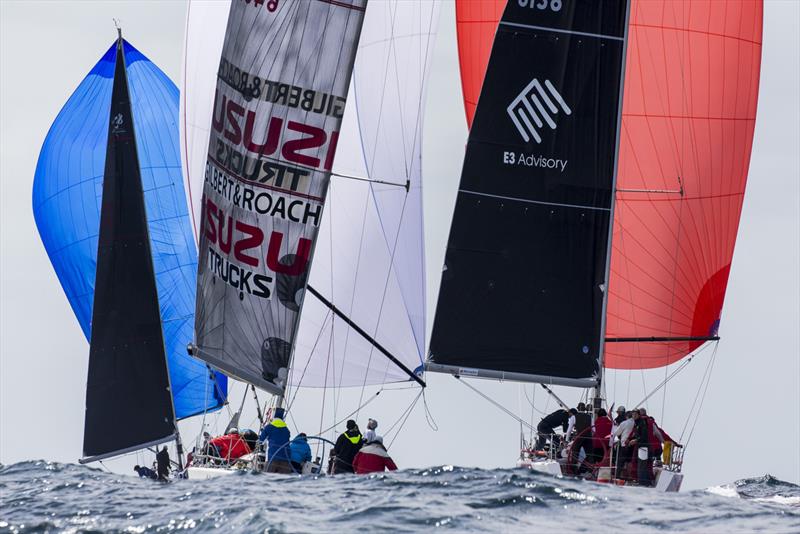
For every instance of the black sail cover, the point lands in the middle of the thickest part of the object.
(128, 402)
(523, 282)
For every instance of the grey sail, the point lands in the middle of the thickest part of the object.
(281, 91)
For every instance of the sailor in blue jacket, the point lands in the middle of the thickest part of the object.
(300, 452)
(276, 434)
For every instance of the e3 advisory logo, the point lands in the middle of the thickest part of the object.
(533, 107)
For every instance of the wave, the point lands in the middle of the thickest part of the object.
(766, 489)
(51, 496)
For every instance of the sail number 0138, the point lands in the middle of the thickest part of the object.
(272, 5)
(553, 5)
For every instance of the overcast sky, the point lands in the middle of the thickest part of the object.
(749, 425)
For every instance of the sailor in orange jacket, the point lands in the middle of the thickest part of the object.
(373, 458)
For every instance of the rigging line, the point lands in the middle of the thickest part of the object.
(310, 356)
(672, 375)
(346, 417)
(366, 336)
(702, 400)
(497, 404)
(706, 376)
(367, 194)
(402, 415)
(531, 402)
(429, 414)
(408, 414)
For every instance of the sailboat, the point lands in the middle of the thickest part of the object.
(291, 295)
(601, 192)
(109, 205)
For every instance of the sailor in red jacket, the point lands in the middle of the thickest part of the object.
(231, 446)
(373, 458)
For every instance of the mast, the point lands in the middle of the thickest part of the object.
(598, 389)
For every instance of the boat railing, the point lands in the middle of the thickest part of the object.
(262, 464)
(672, 457)
(553, 446)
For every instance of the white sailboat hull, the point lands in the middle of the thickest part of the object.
(666, 481)
(205, 473)
(547, 466)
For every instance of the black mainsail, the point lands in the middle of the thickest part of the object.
(522, 293)
(128, 401)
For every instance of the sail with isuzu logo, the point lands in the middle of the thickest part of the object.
(280, 93)
(355, 317)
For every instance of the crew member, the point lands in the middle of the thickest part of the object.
(231, 446)
(299, 452)
(548, 424)
(346, 448)
(600, 432)
(620, 415)
(373, 458)
(370, 434)
(277, 435)
(145, 472)
(162, 461)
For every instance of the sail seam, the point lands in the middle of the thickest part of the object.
(557, 30)
(540, 202)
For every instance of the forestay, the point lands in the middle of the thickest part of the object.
(280, 94)
(67, 192)
(522, 293)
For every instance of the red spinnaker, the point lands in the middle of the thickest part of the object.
(691, 89)
(476, 23)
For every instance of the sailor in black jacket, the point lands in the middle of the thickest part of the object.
(346, 448)
(548, 425)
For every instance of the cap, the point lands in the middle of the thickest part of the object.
(279, 413)
(351, 424)
(233, 430)
(621, 409)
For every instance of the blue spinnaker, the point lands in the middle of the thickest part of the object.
(67, 192)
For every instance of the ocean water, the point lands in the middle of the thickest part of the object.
(45, 496)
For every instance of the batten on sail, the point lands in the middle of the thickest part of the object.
(523, 283)
(128, 400)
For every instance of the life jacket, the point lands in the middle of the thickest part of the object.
(582, 422)
(652, 441)
(602, 428)
(277, 435)
(345, 450)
